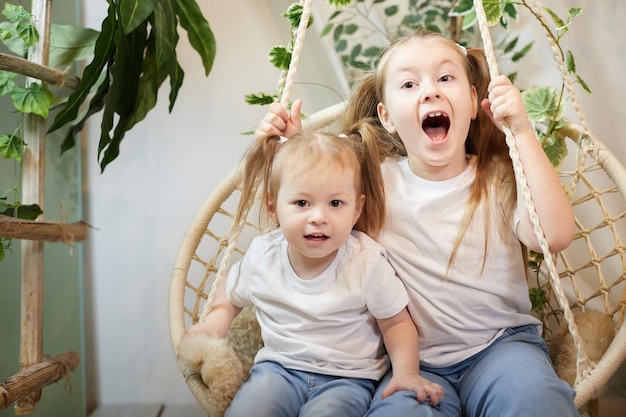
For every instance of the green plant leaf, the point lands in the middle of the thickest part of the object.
(575, 12)
(125, 74)
(391, 10)
(521, 53)
(583, 84)
(326, 30)
(70, 43)
(26, 211)
(198, 30)
(104, 50)
(555, 148)
(541, 103)
(164, 32)
(95, 105)
(462, 8)
(6, 82)
(570, 63)
(36, 99)
(261, 98)
(11, 147)
(294, 14)
(493, 11)
(280, 57)
(135, 12)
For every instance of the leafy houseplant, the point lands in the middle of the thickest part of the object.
(133, 54)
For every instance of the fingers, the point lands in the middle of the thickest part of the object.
(424, 390)
(277, 122)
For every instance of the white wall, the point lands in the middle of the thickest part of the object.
(142, 204)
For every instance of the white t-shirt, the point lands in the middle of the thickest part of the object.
(327, 324)
(460, 314)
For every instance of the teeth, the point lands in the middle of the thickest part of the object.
(437, 114)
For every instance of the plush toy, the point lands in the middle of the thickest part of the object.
(596, 331)
(223, 364)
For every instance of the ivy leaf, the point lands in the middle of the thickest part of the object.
(12, 147)
(541, 104)
(36, 99)
(135, 12)
(280, 57)
(555, 148)
(198, 30)
(6, 82)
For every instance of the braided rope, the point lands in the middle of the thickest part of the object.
(582, 362)
(235, 231)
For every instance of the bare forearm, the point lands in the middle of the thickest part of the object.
(549, 198)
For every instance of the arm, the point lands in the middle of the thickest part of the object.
(402, 343)
(278, 122)
(220, 316)
(553, 207)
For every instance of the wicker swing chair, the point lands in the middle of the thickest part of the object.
(590, 275)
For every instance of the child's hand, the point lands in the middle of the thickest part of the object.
(277, 122)
(505, 105)
(423, 388)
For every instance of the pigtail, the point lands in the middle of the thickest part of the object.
(362, 107)
(257, 163)
(366, 146)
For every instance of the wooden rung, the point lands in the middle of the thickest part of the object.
(36, 377)
(44, 231)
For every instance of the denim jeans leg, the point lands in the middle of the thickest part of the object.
(514, 377)
(405, 404)
(271, 391)
(331, 396)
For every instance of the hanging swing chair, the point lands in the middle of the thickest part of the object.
(588, 278)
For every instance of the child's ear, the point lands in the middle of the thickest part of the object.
(271, 208)
(385, 119)
(474, 103)
(358, 209)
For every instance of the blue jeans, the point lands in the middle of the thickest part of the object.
(273, 391)
(511, 378)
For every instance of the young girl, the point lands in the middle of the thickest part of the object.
(324, 293)
(457, 227)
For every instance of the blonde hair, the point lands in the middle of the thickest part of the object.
(269, 159)
(494, 169)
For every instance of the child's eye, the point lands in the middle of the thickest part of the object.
(301, 203)
(445, 78)
(335, 203)
(408, 84)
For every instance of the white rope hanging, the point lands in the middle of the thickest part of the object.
(583, 365)
(233, 236)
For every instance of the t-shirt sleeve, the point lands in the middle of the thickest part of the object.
(238, 283)
(385, 293)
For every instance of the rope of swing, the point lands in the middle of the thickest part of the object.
(583, 365)
(287, 86)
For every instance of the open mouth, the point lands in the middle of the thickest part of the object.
(436, 126)
(316, 237)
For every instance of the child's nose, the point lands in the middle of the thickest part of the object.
(317, 215)
(430, 91)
